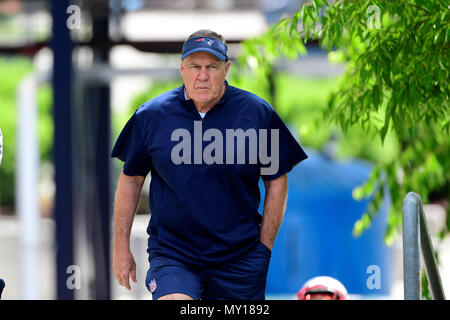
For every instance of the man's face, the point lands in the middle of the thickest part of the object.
(204, 76)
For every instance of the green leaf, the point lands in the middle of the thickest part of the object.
(294, 23)
(385, 128)
(376, 96)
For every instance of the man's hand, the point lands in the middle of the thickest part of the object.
(274, 207)
(124, 267)
(127, 198)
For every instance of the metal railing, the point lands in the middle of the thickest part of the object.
(416, 237)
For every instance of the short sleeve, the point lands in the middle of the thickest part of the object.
(290, 153)
(130, 148)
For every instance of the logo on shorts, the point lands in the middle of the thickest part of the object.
(152, 285)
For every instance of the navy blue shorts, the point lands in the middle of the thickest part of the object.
(243, 278)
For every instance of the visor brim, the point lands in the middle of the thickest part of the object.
(209, 50)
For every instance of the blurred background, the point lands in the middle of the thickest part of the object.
(71, 75)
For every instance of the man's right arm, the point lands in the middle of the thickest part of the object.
(125, 204)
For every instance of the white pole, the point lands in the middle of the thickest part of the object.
(27, 176)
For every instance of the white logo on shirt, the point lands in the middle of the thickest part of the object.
(235, 142)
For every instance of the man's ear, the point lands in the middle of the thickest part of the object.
(181, 65)
(227, 66)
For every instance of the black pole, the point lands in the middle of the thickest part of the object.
(101, 106)
(97, 109)
(62, 151)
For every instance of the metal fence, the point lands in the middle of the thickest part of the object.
(416, 238)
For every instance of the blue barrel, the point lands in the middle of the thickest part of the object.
(316, 238)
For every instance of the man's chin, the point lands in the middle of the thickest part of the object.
(202, 98)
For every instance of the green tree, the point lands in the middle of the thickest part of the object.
(13, 70)
(395, 81)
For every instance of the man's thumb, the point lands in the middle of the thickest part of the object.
(133, 274)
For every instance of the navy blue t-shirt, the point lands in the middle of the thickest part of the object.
(203, 211)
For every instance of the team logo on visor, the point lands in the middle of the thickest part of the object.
(209, 42)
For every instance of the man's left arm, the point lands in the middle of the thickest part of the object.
(274, 208)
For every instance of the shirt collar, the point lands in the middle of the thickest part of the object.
(185, 96)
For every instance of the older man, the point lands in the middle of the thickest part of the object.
(206, 145)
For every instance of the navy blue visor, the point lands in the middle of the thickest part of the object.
(211, 45)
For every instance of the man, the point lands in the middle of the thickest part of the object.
(206, 145)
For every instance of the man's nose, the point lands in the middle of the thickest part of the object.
(203, 74)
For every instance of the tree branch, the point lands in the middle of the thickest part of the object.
(417, 7)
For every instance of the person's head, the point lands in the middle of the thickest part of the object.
(322, 288)
(204, 66)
